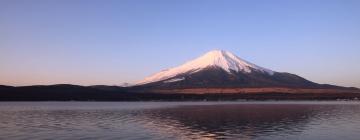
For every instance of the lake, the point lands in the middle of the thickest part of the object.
(313, 120)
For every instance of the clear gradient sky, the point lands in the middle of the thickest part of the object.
(90, 42)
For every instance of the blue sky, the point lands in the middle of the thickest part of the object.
(109, 42)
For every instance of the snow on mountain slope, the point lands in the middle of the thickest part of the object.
(218, 58)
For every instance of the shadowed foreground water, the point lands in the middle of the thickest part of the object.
(180, 120)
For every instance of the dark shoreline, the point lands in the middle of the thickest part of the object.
(113, 93)
(171, 97)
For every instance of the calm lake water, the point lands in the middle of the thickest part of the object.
(180, 120)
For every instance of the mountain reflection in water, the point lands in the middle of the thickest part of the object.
(180, 120)
(232, 120)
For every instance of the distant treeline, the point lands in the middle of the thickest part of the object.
(112, 93)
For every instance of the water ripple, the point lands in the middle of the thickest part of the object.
(179, 120)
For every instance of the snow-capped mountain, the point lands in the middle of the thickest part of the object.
(218, 58)
(220, 68)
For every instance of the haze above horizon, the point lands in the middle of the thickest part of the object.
(111, 42)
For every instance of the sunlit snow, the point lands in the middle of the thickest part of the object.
(219, 58)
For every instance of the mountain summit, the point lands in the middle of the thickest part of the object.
(216, 58)
(220, 68)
